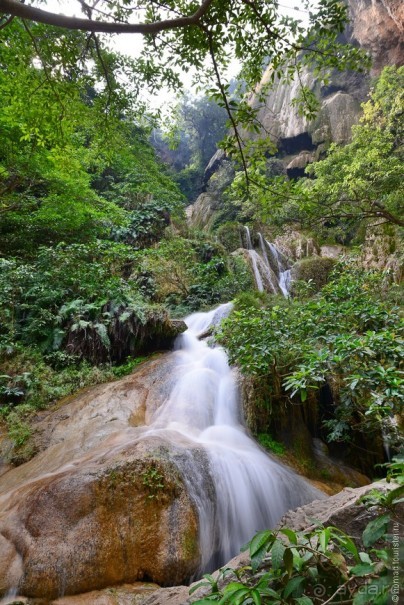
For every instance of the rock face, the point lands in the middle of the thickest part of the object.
(99, 505)
(220, 173)
(343, 510)
(296, 246)
(377, 27)
(382, 250)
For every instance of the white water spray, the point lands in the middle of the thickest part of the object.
(253, 256)
(281, 268)
(248, 490)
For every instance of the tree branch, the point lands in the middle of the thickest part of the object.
(227, 107)
(17, 9)
(45, 70)
(104, 68)
(6, 22)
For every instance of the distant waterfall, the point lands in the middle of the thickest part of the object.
(253, 256)
(282, 269)
(285, 280)
(251, 490)
(276, 274)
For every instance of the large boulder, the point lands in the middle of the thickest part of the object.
(345, 510)
(315, 269)
(104, 502)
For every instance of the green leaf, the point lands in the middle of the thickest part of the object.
(324, 538)
(270, 593)
(375, 530)
(292, 585)
(232, 586)
(393, 496)
(256, 597)
(259, 540)
(304, 600)
(259, 547)
(362, 570)
(290, 534)
(277, 552)
(235, 596)
(345, 541)
(288, 560)
(364, 557)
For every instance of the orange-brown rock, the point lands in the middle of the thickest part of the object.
(103, 503)
(378, 26)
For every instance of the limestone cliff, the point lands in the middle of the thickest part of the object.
(377, 27)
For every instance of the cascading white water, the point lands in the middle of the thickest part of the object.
(263, 249)
(248, 238)
(9, 597)
(253, 256)
(285, 280)
(282, 270)
(278, 276)
(235, 487)
(249, 491)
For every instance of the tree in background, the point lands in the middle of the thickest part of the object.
(200, 124)
(181, 35)
(364, 179)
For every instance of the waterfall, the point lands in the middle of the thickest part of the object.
(193, 424)
(248, 238)
(281, 267)
(263, 249)
(285, 280)
(253, 256)
(9, 597)
(249, 491)
(278, 275)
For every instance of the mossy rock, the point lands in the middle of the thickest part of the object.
(314, 269)
(229, 235)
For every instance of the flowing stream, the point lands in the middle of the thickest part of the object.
(236, 488)
(251, 490)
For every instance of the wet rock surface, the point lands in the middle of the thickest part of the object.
(99, 505)
(152, 478)
(344, 510)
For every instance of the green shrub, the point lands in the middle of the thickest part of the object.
(270, 444)
(315, 270)
(127, 368)
(346, 336)
(229, 235)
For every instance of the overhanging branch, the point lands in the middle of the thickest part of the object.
(15, 8)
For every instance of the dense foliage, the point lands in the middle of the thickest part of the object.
(346, 336)
(88, 225)
(364, 179)
(182, 36)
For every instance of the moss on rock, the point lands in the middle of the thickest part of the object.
(314, 269)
